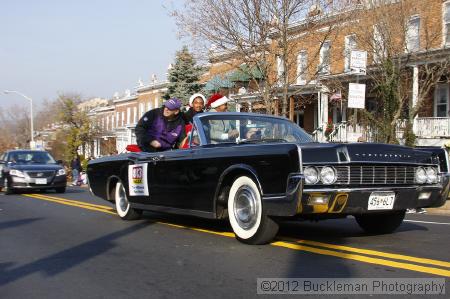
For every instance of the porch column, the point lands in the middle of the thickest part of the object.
(319, 109)
(324, 104)
(291, 108)
(415, 94)
(249, 106)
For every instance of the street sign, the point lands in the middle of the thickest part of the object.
(356, 95)
(358, 61)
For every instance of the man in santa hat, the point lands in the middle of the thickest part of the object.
(196, 105)
(161, 129)
(221, 130)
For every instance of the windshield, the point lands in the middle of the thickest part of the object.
(223, 128)
(32, 157)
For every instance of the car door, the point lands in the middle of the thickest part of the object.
(168, 179)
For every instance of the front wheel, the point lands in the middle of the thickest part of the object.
(123, 207)
(246, 213)
(380, 223)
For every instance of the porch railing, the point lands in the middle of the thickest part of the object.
(426, 127)
(432, 127)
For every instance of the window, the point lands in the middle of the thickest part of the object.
(324, 66)
(134, 114)
(112, 122)
(447, 23)
(379, 48)
(350, 44)
(280, 67)
(128, 115)
(441, 100)
(412, 34)
(107, 123)
(122, 119)
(156, 103)
(117, 119)
(302, 65)
(149, 105)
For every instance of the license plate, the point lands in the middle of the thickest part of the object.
(381, 201)
(41, 181)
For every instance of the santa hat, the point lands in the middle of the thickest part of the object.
(196, 95)
(216, 100)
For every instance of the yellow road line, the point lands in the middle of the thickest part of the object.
(377, 253)
(74, 201)
(299, 246)
(72, 204)
(365, 259)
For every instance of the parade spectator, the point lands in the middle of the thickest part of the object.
(221, 130)
(162, 128)
(196, 105)
(75, 165)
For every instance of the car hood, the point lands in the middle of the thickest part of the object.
(365, 153)
(36, 167)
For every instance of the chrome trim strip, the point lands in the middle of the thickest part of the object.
(371, 189)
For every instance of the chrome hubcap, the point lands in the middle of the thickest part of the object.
(245, 207)
(122, 198)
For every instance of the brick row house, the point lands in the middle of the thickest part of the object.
(319, 77)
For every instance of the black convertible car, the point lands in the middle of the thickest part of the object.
(31, 170)
(270, 172)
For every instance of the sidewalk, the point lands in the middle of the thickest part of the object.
(444, 210)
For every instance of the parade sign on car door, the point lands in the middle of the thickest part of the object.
(137, 178)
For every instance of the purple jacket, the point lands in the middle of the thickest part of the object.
(154, 126)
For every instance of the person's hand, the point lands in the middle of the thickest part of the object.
(233, 134)
(155, 144)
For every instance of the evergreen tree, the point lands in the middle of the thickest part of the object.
(183, 77)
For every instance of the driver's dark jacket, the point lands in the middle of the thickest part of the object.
(154, 126)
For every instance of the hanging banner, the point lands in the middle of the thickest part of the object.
(356, 95)
(137, 179)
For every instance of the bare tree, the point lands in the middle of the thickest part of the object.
(261, 34)
(401, 38)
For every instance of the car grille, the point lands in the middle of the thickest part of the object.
(41, 174)
(375, 175)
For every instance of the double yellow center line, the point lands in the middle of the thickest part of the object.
(393, 260)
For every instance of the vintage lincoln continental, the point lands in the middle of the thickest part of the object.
(269, 170)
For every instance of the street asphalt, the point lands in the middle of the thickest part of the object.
(73, 245)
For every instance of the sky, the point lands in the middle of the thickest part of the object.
(91, 47)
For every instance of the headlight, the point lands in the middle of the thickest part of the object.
(432, 176)
(61, 172)
(328, 175)
(17, 173)
(421, 175)
(311, 175)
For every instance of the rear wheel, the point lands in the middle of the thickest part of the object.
(380, 223)
(123, 207)
(246, 213)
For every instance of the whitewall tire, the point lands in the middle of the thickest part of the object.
(246, 213)
(123, 207)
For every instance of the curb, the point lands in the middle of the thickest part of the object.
(444, 210)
